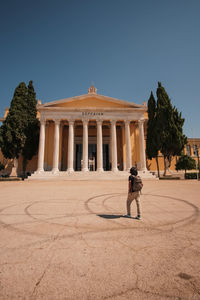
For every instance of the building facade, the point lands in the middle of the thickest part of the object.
(93, 132)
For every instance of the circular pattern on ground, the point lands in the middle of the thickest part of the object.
(96, 214)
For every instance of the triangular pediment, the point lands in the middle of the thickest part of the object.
(90, 101)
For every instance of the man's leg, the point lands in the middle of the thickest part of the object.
(137, 199)
(128, 203)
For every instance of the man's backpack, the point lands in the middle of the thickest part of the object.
(137, 183)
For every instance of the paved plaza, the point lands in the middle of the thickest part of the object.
(69, 240)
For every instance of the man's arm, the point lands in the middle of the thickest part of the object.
(129, 186)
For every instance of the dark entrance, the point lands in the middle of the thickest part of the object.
(92, 153)
(79, 150)
(106, 157)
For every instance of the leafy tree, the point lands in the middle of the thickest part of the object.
(32, 127)
(12, 136)
(19, 132)
(185, 162)
(171, 139)
(152, 146)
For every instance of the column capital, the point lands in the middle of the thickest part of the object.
(127, 122)
(71, 122)
(141, 121)
(85, 121)
(99, 122)
(57, 121)
(42, 121)
(113, 122)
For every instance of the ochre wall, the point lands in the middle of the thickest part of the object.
(152, 166)
(49, 141)
(64, 148)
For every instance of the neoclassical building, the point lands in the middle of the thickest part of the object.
(91, 132)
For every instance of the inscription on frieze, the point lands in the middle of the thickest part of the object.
(91, 113)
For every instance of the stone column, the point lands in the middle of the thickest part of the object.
(70, 168)
(128, 145)
(55, 169)
(85, 146)
(110, 147)
(142, 146)
(99, 147)
(40, 167)
(114, 146)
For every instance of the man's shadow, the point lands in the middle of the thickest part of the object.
(112, 216)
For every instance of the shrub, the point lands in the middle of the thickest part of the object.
(185, 162)
(191, 175)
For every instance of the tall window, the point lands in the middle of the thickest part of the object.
(188, 150)
(195, 150)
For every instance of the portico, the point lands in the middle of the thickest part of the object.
(91, 127)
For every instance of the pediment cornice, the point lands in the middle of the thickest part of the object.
(108, 100)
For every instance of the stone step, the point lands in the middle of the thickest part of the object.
(92, 175)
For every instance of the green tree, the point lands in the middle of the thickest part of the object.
(32, 127)
(12, 136)
(152, 146)
(171, 139)
(19, 131)
(185, 162)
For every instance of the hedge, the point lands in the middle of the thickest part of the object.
(191, 176)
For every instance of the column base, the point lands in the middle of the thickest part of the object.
(70, 171)
(39, 171)
(100, 170)
(55, 171)
(85, 170)
(115, 170)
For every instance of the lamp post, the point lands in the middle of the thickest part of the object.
(198, 163)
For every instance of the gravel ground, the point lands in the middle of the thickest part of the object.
(69, 240)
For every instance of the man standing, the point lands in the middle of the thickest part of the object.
(134, 188)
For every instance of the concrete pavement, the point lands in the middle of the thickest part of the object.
(69, 240)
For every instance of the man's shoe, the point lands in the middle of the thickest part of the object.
(138, 218)
(127, 216)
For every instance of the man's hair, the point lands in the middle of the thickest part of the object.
(133, 171)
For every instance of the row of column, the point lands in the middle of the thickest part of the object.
(85, 147)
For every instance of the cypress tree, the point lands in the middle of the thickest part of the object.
(19, 132)
(152, 146)
(171, 139)
(12, 136)
(32, 127)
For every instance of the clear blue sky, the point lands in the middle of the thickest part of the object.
(124, 46)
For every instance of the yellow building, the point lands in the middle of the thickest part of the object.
(88, 133)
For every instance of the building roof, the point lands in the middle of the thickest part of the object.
(91, 100)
